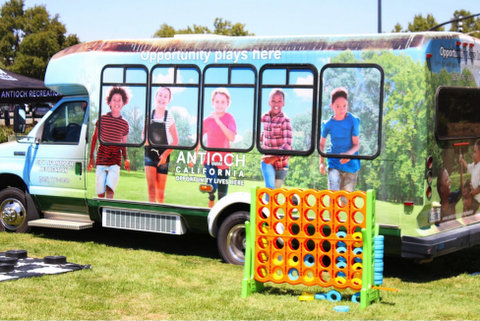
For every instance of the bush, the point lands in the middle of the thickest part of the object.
(4, 133)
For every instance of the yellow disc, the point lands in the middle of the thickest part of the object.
(309, 297)
(357, 266)
(357, 236)
(340, 280)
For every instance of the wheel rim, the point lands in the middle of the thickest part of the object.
(13, 214)
(236, 242)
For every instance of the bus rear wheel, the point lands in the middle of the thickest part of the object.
(13, 213)
(231, 238)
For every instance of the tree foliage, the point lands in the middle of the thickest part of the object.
(421, 23)
(29, 37)
(220, 27)
(470, 25)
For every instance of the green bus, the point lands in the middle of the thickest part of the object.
(169, 135)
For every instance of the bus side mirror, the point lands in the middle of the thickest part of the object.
(19, 119)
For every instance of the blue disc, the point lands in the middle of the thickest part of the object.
(341, 308)
(309, 260)
(334, 295)
(356, 297)
(320, 296)
(341, 234)
(357, 250)
(293, 274)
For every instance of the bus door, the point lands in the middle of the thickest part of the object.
(57, 159)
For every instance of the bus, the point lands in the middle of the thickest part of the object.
(201, 120)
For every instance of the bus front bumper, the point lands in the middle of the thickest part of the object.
(440, 244)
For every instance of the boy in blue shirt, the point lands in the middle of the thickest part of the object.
(343, 128)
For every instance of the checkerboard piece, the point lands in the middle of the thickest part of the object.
(31, 267)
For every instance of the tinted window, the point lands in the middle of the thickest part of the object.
(65, 123)
(458, 113)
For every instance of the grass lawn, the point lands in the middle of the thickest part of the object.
(133, 186)
(153, 276)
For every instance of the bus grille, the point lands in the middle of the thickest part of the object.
(127, 219)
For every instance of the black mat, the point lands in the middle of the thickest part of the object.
(26, 267)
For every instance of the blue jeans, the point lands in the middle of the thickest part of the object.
(270, 174)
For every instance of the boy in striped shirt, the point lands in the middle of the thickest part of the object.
(113, 129)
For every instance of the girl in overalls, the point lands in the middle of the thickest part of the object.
(162, 131)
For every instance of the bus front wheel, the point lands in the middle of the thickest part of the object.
(13, 213)
(231, 238)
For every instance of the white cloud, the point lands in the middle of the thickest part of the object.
(183, 112)
(304, 94)
(168, 78)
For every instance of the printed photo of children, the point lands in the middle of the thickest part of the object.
(448, 199)
(276, 134)
(112, 128)
(220, 129)
(471, 187)
(162, 130)
(343, 129)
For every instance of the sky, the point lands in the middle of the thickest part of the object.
(135, 19)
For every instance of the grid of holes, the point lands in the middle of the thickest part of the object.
(310, 237)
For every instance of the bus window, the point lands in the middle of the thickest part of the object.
(112, 75)
(237, 85)
(65, 123)
(457, 115)
(123, 93)
(351, 110)
(287, 109)
(217, 75)
(181, 85)
(272, 76)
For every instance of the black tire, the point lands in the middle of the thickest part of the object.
(18, 254)
(55, 259)
(8, 260)
(231, 238)
(13, 210)
(6, 267)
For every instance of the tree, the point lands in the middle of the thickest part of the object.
(221, 27)
(165, 31)
(470, 25)
(228, 29)
(28, 38)
(419, 23)
(397, 28)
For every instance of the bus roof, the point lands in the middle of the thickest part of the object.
(385, 41)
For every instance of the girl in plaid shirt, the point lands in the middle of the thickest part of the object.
(276, 134)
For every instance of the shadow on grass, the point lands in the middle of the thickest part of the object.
(190, 244)
(462, 262)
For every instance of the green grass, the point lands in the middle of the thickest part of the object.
(133, 186)
(150, 276)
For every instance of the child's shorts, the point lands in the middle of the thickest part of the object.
(106, 175)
